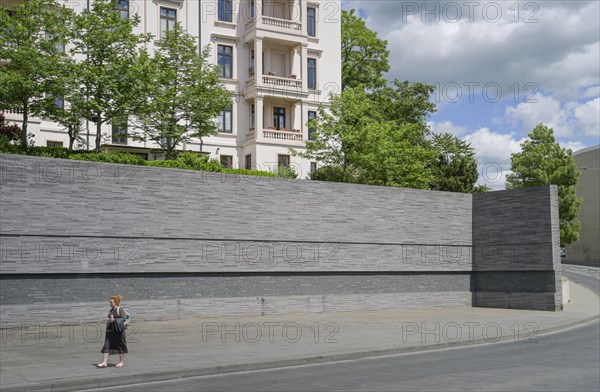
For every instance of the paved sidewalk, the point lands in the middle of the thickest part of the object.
(58, 357)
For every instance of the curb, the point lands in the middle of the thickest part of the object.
(113, 381)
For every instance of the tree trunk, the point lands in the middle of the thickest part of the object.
(98, 133)
(71, 137)
(24, 127)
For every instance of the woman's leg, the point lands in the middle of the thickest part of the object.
(121, 359)
(105, 361)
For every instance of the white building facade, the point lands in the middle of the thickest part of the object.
(280, 58)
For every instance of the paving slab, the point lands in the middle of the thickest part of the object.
(62, 357)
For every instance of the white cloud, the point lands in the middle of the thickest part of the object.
(558, 50)
(574, 146)
(570, 119)
(447, 126)
(493, 151)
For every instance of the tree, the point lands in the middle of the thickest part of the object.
(109, 70)
(542, 161)
(184, 93)
(455, 166)
(65, 88)
(355, 144)
(406, 103)
(394, 158)
(364, 56)
(339, 141)
(32, 39)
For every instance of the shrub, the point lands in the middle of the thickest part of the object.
(7, 147)
(110, 157)
(50, 152)
(286, 172)
(249, 172)
(189, 161)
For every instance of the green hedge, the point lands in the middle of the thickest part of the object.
(248, 172)
(185, 160)
(189, 161)
(110, 157)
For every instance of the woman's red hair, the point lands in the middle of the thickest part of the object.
(117, 299)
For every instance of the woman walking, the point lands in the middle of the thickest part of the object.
(114, 341)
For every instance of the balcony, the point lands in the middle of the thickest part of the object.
(271, 135)
(277, 86)
(280, 134)
(271, 24)
(279, 82)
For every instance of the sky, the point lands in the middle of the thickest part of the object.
(499, 67)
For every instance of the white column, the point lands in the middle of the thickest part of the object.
(258, 49)
(303, 18)
(296, 61)
(297, 119)
(259, 114)
(304, 65)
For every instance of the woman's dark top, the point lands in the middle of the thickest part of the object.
(114, 341)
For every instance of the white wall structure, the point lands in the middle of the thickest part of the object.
(280, 58)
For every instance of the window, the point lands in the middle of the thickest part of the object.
(311, 116)
(58, 101)
(168, 17)
(312, 73)
(119, 131)
(248, 162)
(312, 21)
(252, 9)
(226, 120)
(225, 10)
(123, 9)
(59, 45)
(252, 62)
(252, 116)
(225, 60)
(52, 143)
(313, 167)
(227, 161)
(283, 160)
(279, 118)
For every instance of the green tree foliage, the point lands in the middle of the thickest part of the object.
(353, 143)
(67, 115)
(340, 139)
(455, 165)
(184, 94)
(542, 161)
(406, 103)
(364, 56)
(32, 39)
(394, 159)
(109, 69)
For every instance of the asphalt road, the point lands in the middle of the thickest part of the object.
(563, 361)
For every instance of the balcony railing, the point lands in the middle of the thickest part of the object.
(251, 134)
(279, 134)
(276, 81)
(13, 111)
(269, 22)
(281, 23)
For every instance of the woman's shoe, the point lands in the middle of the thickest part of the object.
(101, 365)
(119, 365)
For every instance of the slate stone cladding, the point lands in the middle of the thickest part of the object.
(73, 231)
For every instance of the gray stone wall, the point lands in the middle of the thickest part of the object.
(73, 233)
(517, 231)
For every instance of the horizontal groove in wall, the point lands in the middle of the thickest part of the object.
(111, 275)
